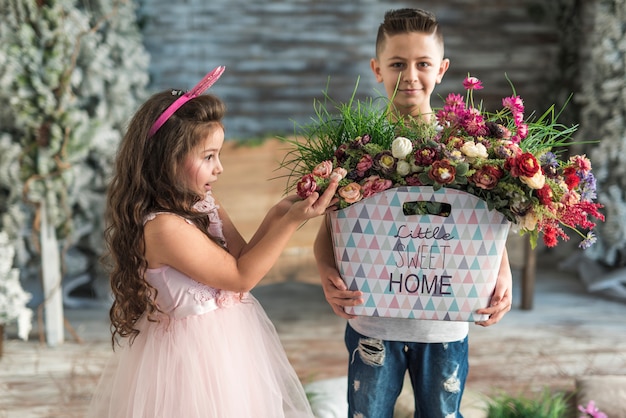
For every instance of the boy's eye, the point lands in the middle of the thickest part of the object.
(397, 65)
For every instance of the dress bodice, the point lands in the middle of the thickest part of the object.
(179, 295)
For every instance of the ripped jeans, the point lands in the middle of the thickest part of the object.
(377, 368)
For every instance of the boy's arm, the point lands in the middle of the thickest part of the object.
(502, 298)
(337, 295)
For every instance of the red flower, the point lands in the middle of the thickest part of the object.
(545, 195)
(550, 236)
(413, 180)
(442, 172)
(571, 178)
(306, 186)
(527, 165)
(487, 177)
(425, 156)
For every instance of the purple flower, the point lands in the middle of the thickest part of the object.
(549, 164)
(589, 240)
(587, 187)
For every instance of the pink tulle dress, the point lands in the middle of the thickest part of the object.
(212, 354)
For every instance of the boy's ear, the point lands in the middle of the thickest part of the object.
(376, 69)
(443, 67)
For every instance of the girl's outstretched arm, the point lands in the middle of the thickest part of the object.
(237, 244)
(173, 242)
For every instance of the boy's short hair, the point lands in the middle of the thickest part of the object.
(405, 21)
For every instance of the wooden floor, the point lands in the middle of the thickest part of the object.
(568, 333)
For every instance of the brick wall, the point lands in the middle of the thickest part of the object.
(280, 54)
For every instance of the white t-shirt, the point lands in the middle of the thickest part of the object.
(410, 330)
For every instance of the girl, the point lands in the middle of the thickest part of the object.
(190, 340)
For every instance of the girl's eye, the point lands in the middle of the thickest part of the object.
(208, 157)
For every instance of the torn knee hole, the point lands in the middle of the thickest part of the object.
(371, 351)
(452, 383)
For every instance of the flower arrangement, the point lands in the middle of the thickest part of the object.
(510, 162)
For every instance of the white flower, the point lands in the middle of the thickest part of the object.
(535, 182)
(403, 168)
(528, 221)
(474, 150)
(401, 147)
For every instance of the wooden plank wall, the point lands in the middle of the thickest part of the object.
(280, 54)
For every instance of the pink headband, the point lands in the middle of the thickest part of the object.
(200, 88)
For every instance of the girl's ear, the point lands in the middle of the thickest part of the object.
(376, 69)
(443, 67)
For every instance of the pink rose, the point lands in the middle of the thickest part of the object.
(351, 193)
(582, 163)
(364, 164)
(374, 184)
(306, 186)
(339, 173)
(323, 169)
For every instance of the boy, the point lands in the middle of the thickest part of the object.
(409, 62)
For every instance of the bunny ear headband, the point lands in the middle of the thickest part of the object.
(200, 88)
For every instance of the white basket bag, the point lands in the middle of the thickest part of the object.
(441, 267)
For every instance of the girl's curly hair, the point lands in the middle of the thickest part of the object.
(147, 179)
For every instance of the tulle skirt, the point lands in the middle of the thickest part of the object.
(227, 363)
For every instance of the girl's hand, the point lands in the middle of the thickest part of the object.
(311, 207)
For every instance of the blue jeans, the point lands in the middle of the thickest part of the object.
(377, 368)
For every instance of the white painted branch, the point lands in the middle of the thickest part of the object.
(51, 276)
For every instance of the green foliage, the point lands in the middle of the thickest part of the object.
(336, 123)
(70, 77)
(548, 405)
